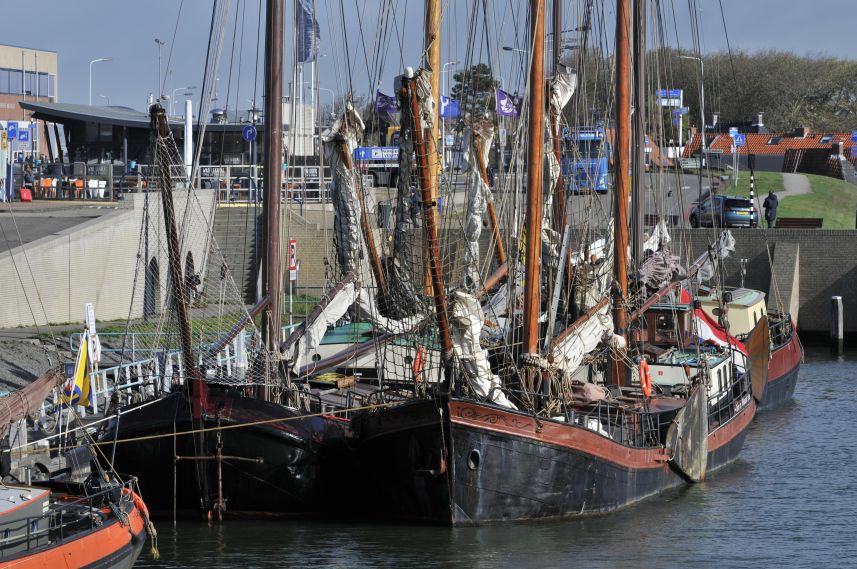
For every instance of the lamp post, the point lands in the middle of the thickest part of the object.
(91, 63)
(173, 96)
(701, 112)
(443, 120)
(160, 44)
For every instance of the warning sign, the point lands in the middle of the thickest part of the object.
(293, 254)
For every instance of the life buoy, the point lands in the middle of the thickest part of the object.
(138, 502)
(645, 378)
(418, 364)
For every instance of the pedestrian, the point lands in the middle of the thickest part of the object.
(770, 204)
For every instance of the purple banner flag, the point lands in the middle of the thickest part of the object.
(385, 103)
(308, 35)
(508, 105)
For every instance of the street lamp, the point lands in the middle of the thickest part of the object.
(90, 74)
(701, 97)
(702, 112)
(105, 97)
(443, 120)
(160, 45)
(172, 98)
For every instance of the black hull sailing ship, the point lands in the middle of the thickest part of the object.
(263, 459)
(457, 462)
(227, 444)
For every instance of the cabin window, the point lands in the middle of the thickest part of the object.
(720, 378)
(825, 139)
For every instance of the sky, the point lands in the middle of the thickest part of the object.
(83, 30)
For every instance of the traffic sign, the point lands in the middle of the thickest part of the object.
(249, 133)
(12, 129)
(733, 130)
(740, 139)
(23, 135)
(681, 111)
(854, 136)
(293, 254)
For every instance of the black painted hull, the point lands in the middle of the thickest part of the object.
(477, 464)
(780, 390)
(301, 458)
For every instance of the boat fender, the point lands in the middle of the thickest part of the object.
(645, 378)
(147, 522)
(418, 364)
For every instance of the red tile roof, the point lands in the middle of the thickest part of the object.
(762, 143)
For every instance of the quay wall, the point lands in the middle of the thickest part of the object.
(49, 280)
(826, 262)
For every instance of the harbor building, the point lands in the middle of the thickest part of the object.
(26, 74)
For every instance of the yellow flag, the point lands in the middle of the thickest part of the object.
(76, 391)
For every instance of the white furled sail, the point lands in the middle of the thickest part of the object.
(346, 207)
(466, 323)
(479, 133)
(568, 353)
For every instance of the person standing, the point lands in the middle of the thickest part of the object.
(770, 204)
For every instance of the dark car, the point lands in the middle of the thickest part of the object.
(724, 211)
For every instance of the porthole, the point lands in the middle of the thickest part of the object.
(474, 459)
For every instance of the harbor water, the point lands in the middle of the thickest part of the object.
(789, 501)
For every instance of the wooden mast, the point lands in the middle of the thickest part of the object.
(622, 167)
(639, 126)
(273, 142)
(431, 44)
(535, 144)
(432, 247)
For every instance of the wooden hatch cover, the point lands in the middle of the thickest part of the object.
(759, 355)
(687, 437)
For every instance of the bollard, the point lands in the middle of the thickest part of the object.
(836, 324)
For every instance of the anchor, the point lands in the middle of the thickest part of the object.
(219, 507)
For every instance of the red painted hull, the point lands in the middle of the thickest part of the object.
(115, 545)
(782, 372)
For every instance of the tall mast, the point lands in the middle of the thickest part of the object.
(273, 159)
(639, 125)
(432, 47)
(534, 178)
(622, 166)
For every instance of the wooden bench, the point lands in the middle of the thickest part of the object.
(799, 222)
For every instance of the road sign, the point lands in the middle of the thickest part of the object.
(376, 153)
(681, 111)
(293, 254)
(740, 139)
(23, 135)
(854, 136)
(733, 130)
(12, 129)
(249, 133)
(669, 93)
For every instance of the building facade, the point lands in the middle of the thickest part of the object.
(26, 74)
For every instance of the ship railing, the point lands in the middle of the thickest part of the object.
(609, 418)
(728, 402)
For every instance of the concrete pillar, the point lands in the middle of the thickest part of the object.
(837, 329)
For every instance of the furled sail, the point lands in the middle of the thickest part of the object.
(26, 401)
(479, 132)
(339, 144)
(568, 352)
(467, 320)
(720, 250)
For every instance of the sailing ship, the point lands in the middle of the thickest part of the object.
(477, 449)
(237, 442)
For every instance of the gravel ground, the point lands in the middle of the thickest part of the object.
(22, 360)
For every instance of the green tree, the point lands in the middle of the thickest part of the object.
(474, 88)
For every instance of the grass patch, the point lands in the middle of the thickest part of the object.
(765, 182)
(832, 199)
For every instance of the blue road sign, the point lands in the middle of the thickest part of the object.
(23, 135)
(669, 93)
(12, 130)
(249, 133)
(853, 135)
(733, 130)
(681, 111)
(740, 140)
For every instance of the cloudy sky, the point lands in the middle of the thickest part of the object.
(83, 30)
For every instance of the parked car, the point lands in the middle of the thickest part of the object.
(724, 211)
